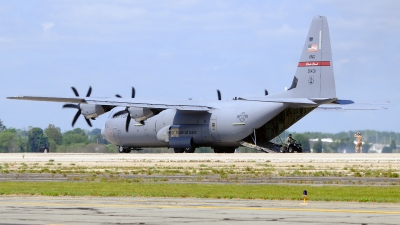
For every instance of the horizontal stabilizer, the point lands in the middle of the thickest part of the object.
(343, 102)
(353, 106)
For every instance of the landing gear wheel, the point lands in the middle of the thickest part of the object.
(179, 150)
(124, 150)
(190, 150)
(218, 150)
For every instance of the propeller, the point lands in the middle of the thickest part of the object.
(133, 94)
(128, 117)
(78, 106)
(219, 95)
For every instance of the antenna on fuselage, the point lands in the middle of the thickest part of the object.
(266, 92)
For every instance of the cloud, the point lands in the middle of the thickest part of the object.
(47, 26)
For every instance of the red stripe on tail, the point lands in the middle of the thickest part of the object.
(314, 63)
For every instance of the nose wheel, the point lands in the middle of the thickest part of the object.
(123, 150)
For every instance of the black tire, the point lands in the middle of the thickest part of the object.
(121, 149)
(218, 150)
(224, 150)
(179, 150)
(282, 149)
(190, 150)
(127, 150)
(291, 149)
(299, 150)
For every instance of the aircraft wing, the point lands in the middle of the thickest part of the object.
(125, 102)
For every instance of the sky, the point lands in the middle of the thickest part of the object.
(187, 49)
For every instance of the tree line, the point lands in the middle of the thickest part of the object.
(35, 139)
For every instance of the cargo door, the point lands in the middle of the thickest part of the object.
(214, 130)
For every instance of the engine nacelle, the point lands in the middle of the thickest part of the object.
(142, 114)
(91, 111)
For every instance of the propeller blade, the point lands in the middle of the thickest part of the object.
(75, 91)
(122, 112)
(76, 117)
(89, 91)
(219, 95)
(71, 106)
(88, 122)
(133, 92)
(128, 121)
(118, 96)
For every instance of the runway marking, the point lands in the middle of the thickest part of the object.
(201, 207)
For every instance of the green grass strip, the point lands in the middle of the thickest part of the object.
(228, 191)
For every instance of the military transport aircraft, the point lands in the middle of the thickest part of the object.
(221, 125)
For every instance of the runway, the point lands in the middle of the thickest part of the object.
(95, 210)
(107, 210)
(200, 157)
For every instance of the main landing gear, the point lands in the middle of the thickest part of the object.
(186, 150)
(124, 150)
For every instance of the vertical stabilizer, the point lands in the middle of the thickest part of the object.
(314, 75)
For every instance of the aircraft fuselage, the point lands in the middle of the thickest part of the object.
(224, 126)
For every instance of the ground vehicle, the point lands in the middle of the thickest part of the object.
(295, 146)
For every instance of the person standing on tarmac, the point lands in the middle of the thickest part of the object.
(289, 140)
(359, 141)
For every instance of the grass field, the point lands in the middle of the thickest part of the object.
(227, 191)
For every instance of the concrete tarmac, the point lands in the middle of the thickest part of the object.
(118, 158)
(99, 210)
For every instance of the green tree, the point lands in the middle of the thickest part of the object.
(9, 141)
(54, 134)
(318, 146)
(74, 136)
(392, 145)
(36, 139)
(333, 147)
(95, 137)
(2, 126)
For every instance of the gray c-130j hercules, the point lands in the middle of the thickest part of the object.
(221, 125)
